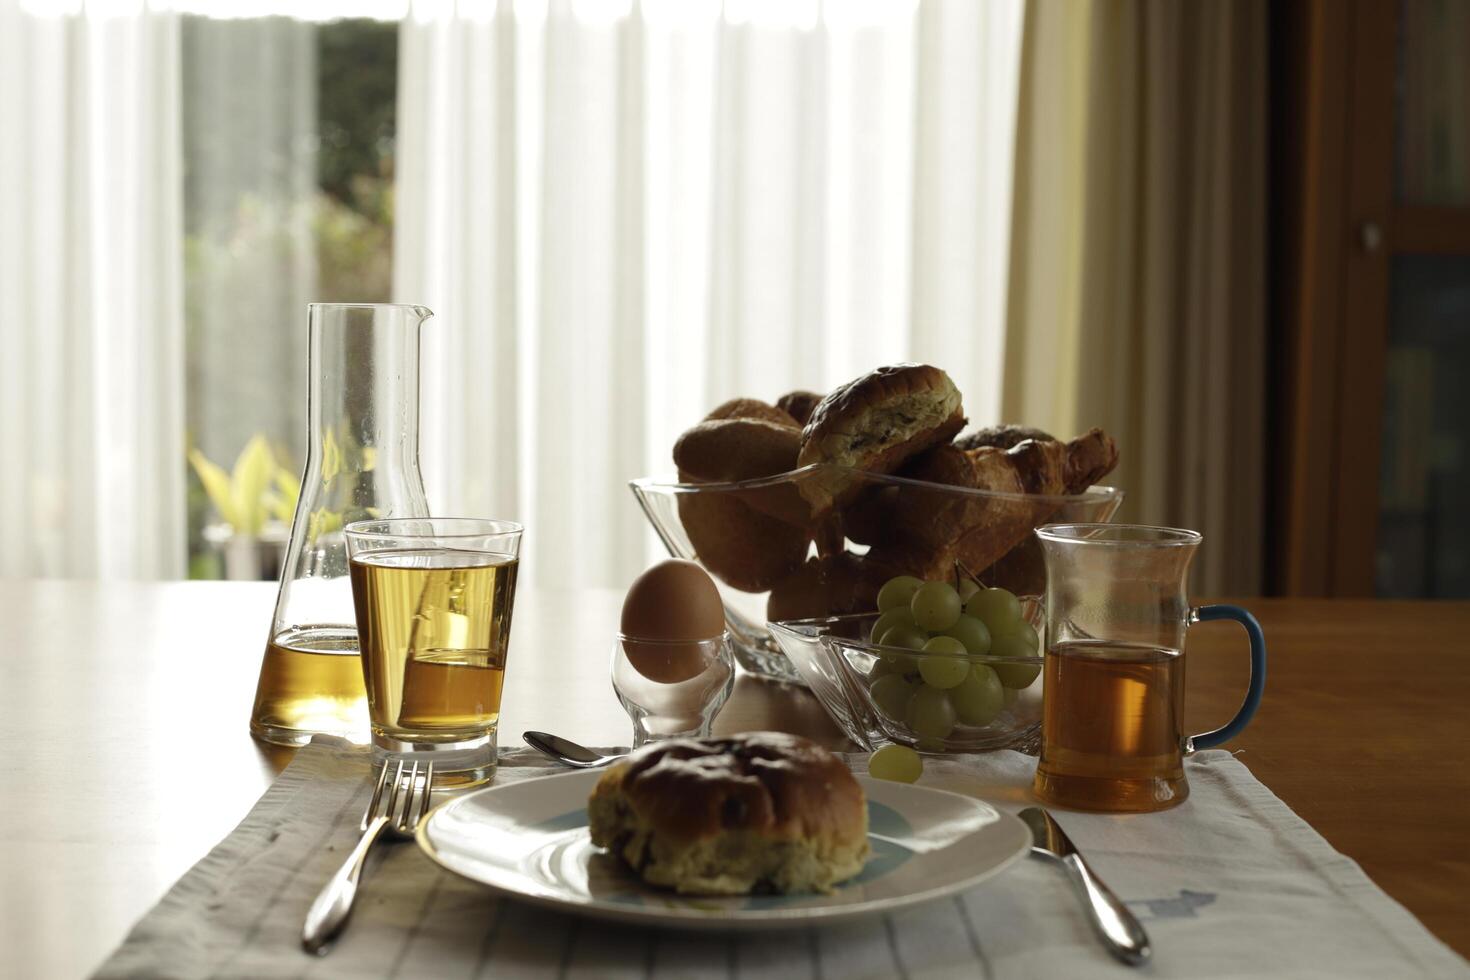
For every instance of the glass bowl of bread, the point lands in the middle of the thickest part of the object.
(801, 509)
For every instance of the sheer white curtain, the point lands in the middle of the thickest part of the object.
(91, 385)
(625, 213)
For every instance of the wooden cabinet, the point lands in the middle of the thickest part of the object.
(1371, 298)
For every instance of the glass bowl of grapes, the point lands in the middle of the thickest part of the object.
(775, 558)
(940, 666)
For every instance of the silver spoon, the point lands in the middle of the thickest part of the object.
(567, 752)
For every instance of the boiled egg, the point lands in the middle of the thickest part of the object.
(669, 610)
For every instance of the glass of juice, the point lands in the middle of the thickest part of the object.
(433, 597)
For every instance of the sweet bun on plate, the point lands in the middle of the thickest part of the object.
(760, 812)
(875, 423)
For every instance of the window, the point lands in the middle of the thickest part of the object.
(621, 211)
(288, 140)
(628, 212)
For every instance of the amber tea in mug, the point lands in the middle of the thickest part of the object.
(1111, 720)
(1112, 725)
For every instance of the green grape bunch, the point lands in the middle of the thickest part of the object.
(955, 654)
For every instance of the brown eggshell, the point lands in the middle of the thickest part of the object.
(668, 662)
(673, 600)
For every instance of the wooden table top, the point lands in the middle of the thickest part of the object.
(125, 754)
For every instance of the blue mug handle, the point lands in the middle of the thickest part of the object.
(1232, 728)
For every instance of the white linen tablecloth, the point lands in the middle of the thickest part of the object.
(1229, 884)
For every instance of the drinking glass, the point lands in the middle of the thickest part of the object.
(1112, 735)
(434, 599)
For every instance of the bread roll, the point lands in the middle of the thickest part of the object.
(744, 548)
(875, 423)
(870, 518)
(1001, 437)
(734, 532)
(828, 585)
(1022, 570)
(734, 449)
(752, 408)
(799, 404)
(763, 811)
(919, 516)
(737, 450)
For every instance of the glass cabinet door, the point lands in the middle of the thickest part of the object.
(1432, 104)
(1423, 540)
(1424, 501)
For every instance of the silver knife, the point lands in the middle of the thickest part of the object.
(1119, 931)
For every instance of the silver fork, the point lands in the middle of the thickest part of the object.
(329, 913)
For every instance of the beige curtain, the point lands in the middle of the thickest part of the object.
(1137, 294)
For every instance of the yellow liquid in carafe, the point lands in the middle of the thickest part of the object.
(311, 683)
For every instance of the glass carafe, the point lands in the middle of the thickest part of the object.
(362, 461)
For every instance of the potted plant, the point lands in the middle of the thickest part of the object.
(255, 502)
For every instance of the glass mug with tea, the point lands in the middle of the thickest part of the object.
(434, 598)
(1112, 735)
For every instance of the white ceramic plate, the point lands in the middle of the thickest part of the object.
(529, 840)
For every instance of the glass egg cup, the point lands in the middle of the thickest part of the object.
(672, 688)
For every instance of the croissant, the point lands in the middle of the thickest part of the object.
(1000, 436)
(980, 531)
(1022, 570)
(922, 518)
